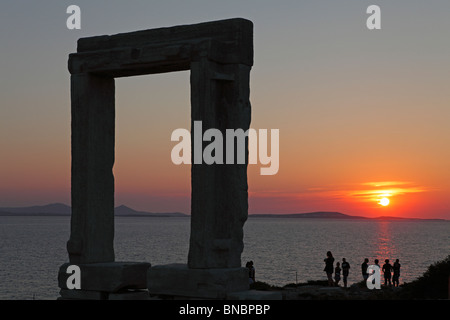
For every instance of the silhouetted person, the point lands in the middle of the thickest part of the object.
(364, 267)
(345, 271)
(251, 273)
(376, 263)
(329, 261)
(249, 268)
(396, 276)
(387, 268)
(337, 274)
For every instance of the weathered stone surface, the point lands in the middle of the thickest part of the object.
(179, 280)
(108, 277)
(93, 125)
(219, 205)
(67, 294)
(255, 295)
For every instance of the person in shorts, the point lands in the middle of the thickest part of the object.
(337, 274)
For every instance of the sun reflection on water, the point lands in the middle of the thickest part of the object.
(386, 245)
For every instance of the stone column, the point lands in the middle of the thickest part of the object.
(219, 206)
(93, 127)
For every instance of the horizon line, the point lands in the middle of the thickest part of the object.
(296, 214)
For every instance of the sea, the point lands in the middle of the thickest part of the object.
(283, 250)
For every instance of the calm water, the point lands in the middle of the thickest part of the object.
(283, 250)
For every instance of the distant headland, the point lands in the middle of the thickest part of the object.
(335, 215)
(60, 209)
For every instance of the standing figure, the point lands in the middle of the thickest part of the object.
(251, 272)
(387, 268)
(345, 271)
(329, 261)
(337, 274)
(396, 276)
(364, 267)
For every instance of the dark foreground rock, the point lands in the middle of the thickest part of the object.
(318, 290)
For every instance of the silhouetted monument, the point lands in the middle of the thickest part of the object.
(219, 56)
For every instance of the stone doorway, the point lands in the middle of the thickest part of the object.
(219, 55)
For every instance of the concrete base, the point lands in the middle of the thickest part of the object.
(255, 295)
(67, 294)
(109, 276)
(177, 280)
(129, 295)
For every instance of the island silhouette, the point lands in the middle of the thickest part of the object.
(61, 209)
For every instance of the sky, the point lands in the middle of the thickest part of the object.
(362, 114)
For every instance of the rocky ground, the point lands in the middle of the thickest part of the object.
(318, 290)
(354, 292)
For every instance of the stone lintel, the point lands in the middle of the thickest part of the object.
(109, 276)
(164, 49)
(237, 30)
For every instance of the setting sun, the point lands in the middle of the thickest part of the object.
(384, 202)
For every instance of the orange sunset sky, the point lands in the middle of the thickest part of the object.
(362, 115)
